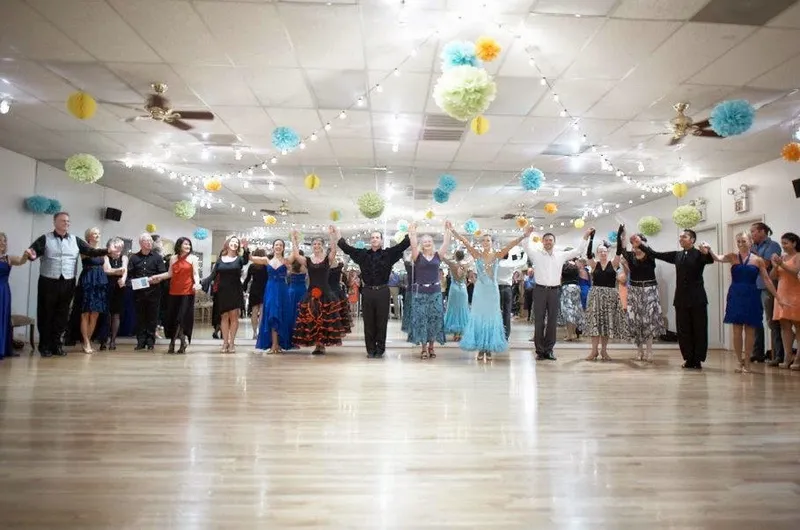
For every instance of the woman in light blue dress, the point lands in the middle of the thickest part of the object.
(457, 315)
(485, 332)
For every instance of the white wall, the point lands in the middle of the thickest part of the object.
(22, 177)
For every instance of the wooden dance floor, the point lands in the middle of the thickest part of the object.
(128, 440)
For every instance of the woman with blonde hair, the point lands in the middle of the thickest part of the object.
(230, 296)
(115, 265)
(6, 331)
(94, 290)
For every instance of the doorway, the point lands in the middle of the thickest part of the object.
(712, 279)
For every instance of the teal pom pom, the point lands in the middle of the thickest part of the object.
(37, 204)
(531, 179)
(459, 53)
(54, 207)
(285, 139)
(612, 236)
(732, 117)
(471, 226)
(360, 245)
(440, 196)
(201, 234)
(447, 183)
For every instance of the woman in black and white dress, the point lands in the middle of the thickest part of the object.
(604, 316)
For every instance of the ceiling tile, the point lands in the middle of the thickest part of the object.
(141, 76)
(390, 39)
(279, 87)
(516, 95)
(405, 94)
(96, 79)
(579, 94)
(658, 9)
(338, 89)
(786, 76)
(574, 7)
(403, 127)
(788, 19)
(540, 130)
(698, 96)
(325, 38)
(35, 80)
(218, 85)
(348, 148)
(304, 122)
(25, 33)
(357, 125)
(429, 151)
(483, 152)
(245, 120)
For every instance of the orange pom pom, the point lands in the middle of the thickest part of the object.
(213, 184)
(522, 222)
(791, 152)
(487, 49)
(550, 208)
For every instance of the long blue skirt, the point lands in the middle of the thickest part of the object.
(427, 318)
(276, 315)
(457, 316)
(485, 331)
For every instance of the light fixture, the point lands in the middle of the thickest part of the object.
(583, 193)
(396, 72)
(5, 106)
(245, 184)
(239, 174)
(250, 171)
(563, 113)
(313, 137)
(271, 186)
(173, 175)
(360, 101)
(543, 81)
(205, 154)
(395, 148)
(284, 152)
(378, 89)
(328, 126)
(237, 154)
(555, 98)
(641, 167)
(263, 165)
(273, 160)
(342, 115)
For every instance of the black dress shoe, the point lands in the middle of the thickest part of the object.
(45, 353)
(59, 352)
(370, 354)
(139, 347)
(550, 357)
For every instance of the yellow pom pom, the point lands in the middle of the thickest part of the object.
(312, 181)
(151, 228)
(335, 215)
(480, 125)
(791, 152)
(487, 49)
(579, 223)
(537, 239)
(550, 208)
(478, 233)
(81, 105)
(270, 220)
(679, 189)
(429, 215)
(214, 184)
(522, 222)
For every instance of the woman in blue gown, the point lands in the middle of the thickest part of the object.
(274, 331)
(743, 307)
(297, 289)
(6, 331)
(485, 332)
(457, 315)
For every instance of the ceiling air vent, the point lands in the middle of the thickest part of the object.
(217, 139)
(565, 149)
(423, 195)
(438, 127)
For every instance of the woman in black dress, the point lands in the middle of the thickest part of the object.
(115, 265)
(230, 296)
(254, 284)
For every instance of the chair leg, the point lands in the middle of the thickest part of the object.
(33, 345)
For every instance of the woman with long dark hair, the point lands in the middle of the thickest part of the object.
(254, 283)
(786, 270)
(274, 331)
(230, 297)
(297, 284)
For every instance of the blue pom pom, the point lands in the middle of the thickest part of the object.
(440, 196)
(732, 117)
(285, 139)
(54, 207)
(37, 204)
(531, 179)
(459, 53)
(471, 226)
(612, 236)
(447, 183)
(361, 245)
(201, 234)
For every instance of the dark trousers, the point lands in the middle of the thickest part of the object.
(528, 304)
(147, 303)
(545, 318)
(692, 323)
(506, 298)
(375, 310)
(759, 347)
(52, 311)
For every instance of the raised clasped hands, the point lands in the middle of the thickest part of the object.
(448, 225)
(589, 233)
(528, 231)
(777, 260)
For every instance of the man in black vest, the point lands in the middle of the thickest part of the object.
(691, 303)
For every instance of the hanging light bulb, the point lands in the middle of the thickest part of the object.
(239, 174)
(173, 175)
(342, 115)
(328, 126)
(543, 81)
(360, 101)
(302, 145)
(271, 186)
(273, 160)
(250, 171)
(555, 98)
(237, 154)
(563, 113)
(396, 72)
(5, 106)
(314, 137)
(264, 165)
(205, 154)
(395, 148)
(378, 89)
(641, 166)
(584, 139)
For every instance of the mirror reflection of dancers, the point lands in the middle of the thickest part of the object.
(230, 297)
(322, 314)
(743, 304)
(116, 268)
(604, 316)
(297, 284)
(485, 331)
(273, 331)
(6, 262)
(427, 312)
(457, 315)
(645, 317)
(337, 281)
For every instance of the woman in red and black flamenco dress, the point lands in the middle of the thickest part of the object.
(322, 314)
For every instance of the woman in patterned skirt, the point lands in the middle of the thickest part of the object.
(645, 318)
(604, 317)
(570, 312)
(427, 312)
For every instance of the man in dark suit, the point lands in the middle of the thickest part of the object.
(691, 303)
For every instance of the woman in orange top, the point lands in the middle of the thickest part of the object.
(786, 269)
(184, 275)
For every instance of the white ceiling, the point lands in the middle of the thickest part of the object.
(258, 64)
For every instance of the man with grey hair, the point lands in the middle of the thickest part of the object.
(145, 264)
(59, 252)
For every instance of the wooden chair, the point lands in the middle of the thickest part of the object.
(18, 321)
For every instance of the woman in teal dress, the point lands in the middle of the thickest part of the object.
(6, 331)
(457, 315)
(485, 332)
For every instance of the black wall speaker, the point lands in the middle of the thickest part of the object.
(796, 184)
(112, 214)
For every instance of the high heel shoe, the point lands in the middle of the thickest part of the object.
(592, 356)
(87, 349)
(431, 353)
(232, 348)
(604, 356)
(171, 348)
(481, 356)
(224, 348)
(182, 349)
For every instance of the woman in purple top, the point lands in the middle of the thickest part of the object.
(427, 311)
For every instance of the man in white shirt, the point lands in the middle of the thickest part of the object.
(548, 264)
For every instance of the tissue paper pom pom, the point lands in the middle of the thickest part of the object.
(459, 53)
(479, 125)
(612, 236)
(285, 139)
(84, 168)
(399, 236)
(536, 239)
(791, 152)
(487, 49)
(37, 204)
(213, 184)
(270, 220)
(402, 225)
(447, 183)
(686, 216)
(649, 225)
(531, 178)
(440, 196)
(550, 208)
(679, 189)
(150, 228)
(335, 215)
(371, 205)
(430, 214)
(54, 207)
(522, 222)
(732, 117)
(464, 92)
(578, 223)
(81, 105)
(471, 226)
(185, 210)
(478, 233)
(200, 234)
(360, 245)
(312, 181)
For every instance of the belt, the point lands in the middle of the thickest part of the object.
(548, 286)
(428, 284)
(644, 283)
(375, 287)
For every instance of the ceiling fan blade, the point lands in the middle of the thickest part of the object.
(702, 124)
(194, 114)
(136, 118)
(708, 133)
(178, 124)
(675, 141)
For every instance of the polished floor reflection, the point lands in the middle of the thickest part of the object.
(128, 440)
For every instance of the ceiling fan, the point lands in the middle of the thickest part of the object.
(157, 108)
(682, 125)
(520, 213)
(283, 210)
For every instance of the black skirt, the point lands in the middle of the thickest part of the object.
(180, 312)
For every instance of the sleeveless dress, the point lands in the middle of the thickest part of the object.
(321, 314)
(789, 292)
(485, 331)
(604, 315)
(276, 312)
(6, 332)
(94, 286)
(335, 283)
(228, 282)
(297, 291)
(743, 304)
(457, 315)
(427, 313)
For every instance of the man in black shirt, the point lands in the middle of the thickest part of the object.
(376, 266)
(145, 264)
(691, 303)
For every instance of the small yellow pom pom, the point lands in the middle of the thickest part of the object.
(312, 181)
(430, 214)
(335, 215)
(214, 184)
(679, 189)
(478, 233)
(81, 105)
(270, 220)
(487, 49)
(480, 125)
(550, 208)
(579, 223)
(791, 152)
(151, 228)
(522, 222)
(537, 239)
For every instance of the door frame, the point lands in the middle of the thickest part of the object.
(716, 344)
